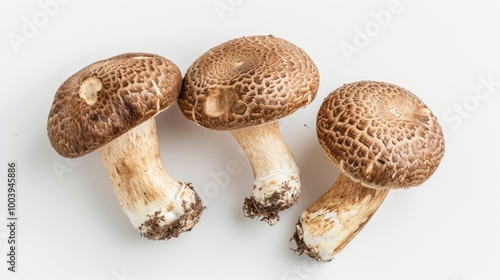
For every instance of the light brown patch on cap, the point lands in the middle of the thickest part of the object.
(89, 89)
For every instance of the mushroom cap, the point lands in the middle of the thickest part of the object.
(380, 135)
(246, 82)
(109, 97)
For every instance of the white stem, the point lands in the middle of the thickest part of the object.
(157, 206)
(277, 182)
(333, 220)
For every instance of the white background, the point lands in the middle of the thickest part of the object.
(72, 227)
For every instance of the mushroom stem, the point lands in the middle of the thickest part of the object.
(158, 207)
(277, 184)
(332, 221)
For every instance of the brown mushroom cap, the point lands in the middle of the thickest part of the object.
(380, 135)
(109, 97)
(248, 81)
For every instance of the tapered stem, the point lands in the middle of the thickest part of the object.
(277, 183)
(157, 205)
(332, 221)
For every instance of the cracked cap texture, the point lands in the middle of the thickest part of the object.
(380, 134)
(246, 82)
(109, 97)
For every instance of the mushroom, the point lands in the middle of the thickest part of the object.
(245, 86)
(381, 137)
(110, 106)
